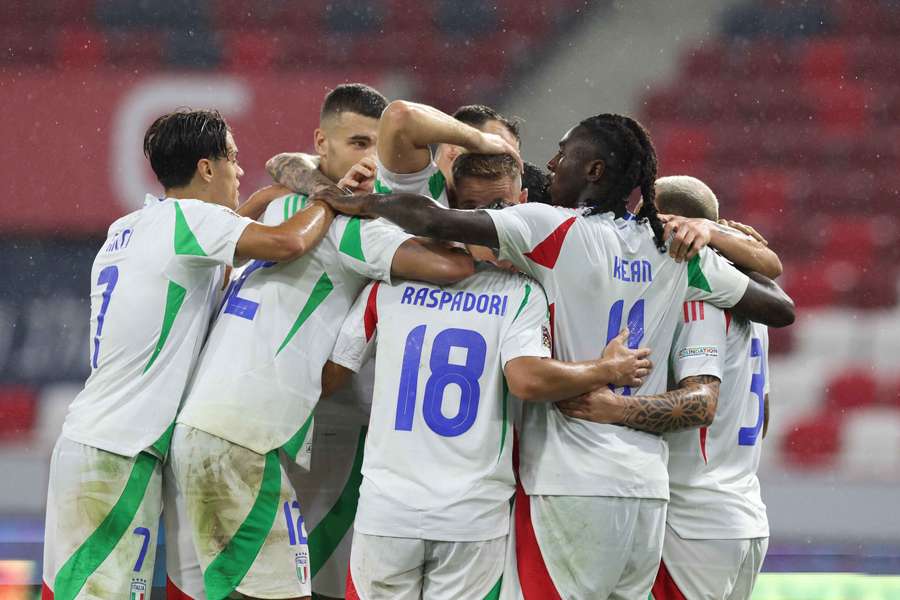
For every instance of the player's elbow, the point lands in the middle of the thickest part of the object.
(398, 115)
(782, 313)
(525, 387)
(712, 404)
(287, 246)
(772, 267)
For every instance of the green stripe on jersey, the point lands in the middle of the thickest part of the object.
(100, 544)
(380, 188)
(294, 200)
(304, 199)
(287, 208)
(185, 241)
(524, 301)
(320, 291)
(436, 184)
(292, 446)
(494, 594)
(161, 446)
(696, 278)
(504, 401)
(174, 299)
(226, 571)
(351, 241)
(327, 535)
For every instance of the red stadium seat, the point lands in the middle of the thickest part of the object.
(251, 50)
(825, 58)
(704, 61)
(851, 389)
(25, 46)
(682, 148)
(808, 285)
(813, 443)
(18, 412)
(134, 49)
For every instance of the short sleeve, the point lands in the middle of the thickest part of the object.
(699, 347)
(528, 333)
(531, 235)
(427, 182)
(367, 247)
(715, 280)
(356, 340)
(206, 232)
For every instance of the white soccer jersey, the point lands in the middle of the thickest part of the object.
(430, 182)
(154, 285)
(602, 274)
(712, 471)
(260, 374)
(438, 462)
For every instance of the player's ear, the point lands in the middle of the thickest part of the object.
(320, 142)
(595, 170)
(523, 196)
(204, 168)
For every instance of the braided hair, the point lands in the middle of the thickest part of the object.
(630, 160)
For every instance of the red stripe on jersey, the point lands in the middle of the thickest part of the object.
(727, 321)
(687, 317)
(694, 310)
(665, 588)
(46, 592)
(703, 432)
(701, 310)
(547, 252)
(174, 593)
(534, 579)
(350, 593)
(370, 316)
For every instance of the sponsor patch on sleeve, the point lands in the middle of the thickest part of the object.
(547, 339)
(691, 351)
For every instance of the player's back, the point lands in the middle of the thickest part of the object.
(715, 493)
(154, 284)
(438, 454)
(259, 375)
(602, 274)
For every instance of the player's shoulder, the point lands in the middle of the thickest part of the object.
(491, 277)
(283, 208)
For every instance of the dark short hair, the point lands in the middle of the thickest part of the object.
(176, 141)
(356, 98)
(477, 115)
(537, 183)
(484, 166)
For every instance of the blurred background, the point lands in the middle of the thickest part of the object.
(789, 110)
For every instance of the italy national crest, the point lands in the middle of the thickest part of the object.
(301, 562)
(138, 589)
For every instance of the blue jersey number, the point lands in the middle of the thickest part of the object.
(443, 373)
(108, 277)
(747, 436)
(635, 326)
(241, 307)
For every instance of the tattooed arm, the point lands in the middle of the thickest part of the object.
(300, 172)
(692, 405)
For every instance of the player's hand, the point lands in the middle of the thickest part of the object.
(347, 204)
(360, 179)
(687, 236)
(745, 229)
(599, 406)
(628, 367)
(491, 143)
(485, 254)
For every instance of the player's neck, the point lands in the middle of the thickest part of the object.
(327, 172)
(191, 192)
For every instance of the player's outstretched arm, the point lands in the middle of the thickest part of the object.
(536, 379)
(299, 172)
(427, 260)
(689, 236)
(423, 216)
(690, 406)
(765, 302)
(406, 129)
(289, 240)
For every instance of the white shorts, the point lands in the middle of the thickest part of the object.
(597, 548)
(390, 568)
(102, 523)
(708, 569)
(329, 493)
(184, 577)
(244, 517)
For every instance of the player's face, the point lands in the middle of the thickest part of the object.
(344, 140)
(447, 153)
(475, 192)
(567, 169)
(226, 176)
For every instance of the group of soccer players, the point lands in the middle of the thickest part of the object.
(614, 355)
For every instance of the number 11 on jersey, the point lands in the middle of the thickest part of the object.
(443, 373)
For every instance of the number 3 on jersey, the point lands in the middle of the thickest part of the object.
(443, 373)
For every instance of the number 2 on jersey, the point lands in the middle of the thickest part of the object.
(109, 277)
(443, 373)
(635, 327)
(748, 436)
